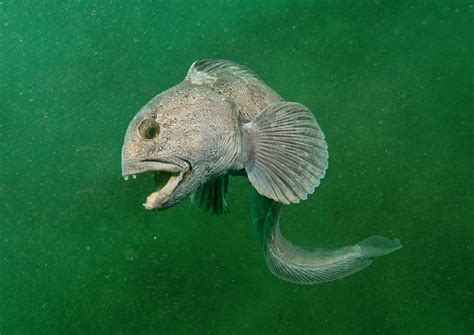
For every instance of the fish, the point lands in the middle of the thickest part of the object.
(223, 121)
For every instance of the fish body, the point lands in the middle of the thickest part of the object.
(223, 120)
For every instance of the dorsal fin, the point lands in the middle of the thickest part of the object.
(209, 70)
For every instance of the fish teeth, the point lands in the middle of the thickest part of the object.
(125, 177)
(134, 176)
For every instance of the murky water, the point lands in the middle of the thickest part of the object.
(391, 85)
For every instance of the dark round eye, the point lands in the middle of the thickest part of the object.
(149, 129)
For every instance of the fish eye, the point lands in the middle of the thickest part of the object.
(149, 129)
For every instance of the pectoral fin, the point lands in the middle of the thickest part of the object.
(212, 196)
(288, 153)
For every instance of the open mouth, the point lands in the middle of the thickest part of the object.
(167, 176)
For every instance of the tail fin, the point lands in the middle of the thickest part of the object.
(376, 246)
(304, 266)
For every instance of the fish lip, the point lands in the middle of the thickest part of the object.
(130, 168)
(158, 199)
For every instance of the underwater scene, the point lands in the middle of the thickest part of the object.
(237, 167)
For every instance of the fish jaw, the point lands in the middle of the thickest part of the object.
(158, 199)
(173, 176)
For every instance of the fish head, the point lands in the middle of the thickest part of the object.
(186, 135)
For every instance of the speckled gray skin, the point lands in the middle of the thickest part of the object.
(200, 121)
(192, 135)
(223, 120)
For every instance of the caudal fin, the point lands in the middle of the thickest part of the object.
(302, 266)
(375, 246)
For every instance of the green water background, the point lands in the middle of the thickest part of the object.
(391, 84)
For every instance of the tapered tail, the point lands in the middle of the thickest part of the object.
(304, 266)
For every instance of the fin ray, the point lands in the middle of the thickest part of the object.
(288, 152)
(212, 196)
(301, 265)
(208, 70)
